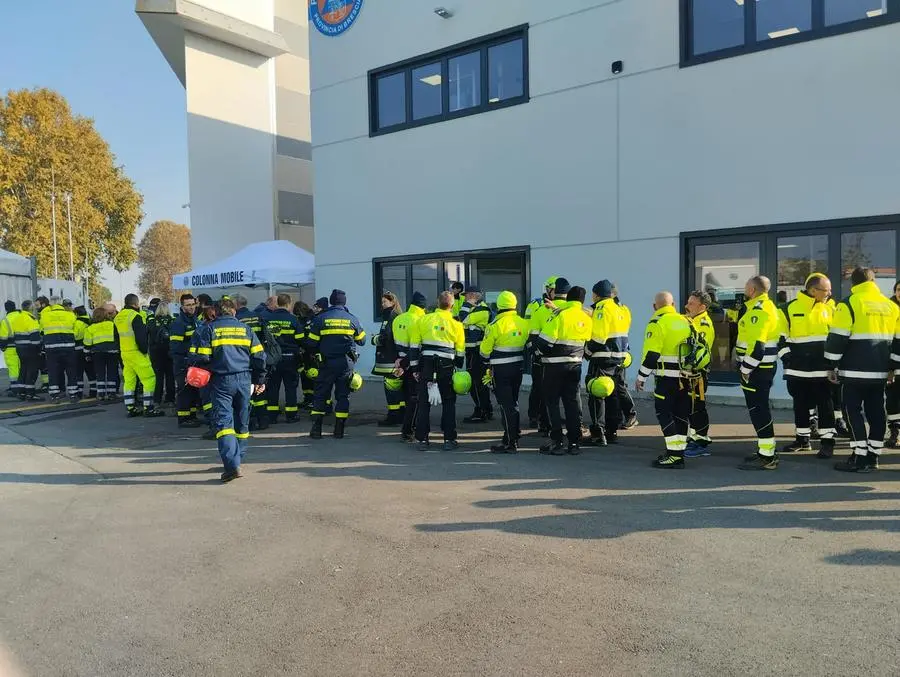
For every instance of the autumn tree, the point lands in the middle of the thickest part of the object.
(164, 251)
(99, 293)
(46, 150)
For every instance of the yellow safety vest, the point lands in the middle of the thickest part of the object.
(123, 322)
(666, 331)
(757, 339)
(505, 338)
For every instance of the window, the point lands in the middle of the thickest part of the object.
(798, 258)
(473, 77)
(870, 249)
(721, 262)
(722, 270)
(492, 271)
(426, 91)
(714, 29)
(391, 100)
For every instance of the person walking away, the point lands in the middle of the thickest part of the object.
(892, 394)
(537, 313)
(405, 365)
(475, 316)
(159, 331)
(803, 326)
(102, 351)
(287, 330)
(85, 368)
(333, 335)
(606, 353)
(437, 347)
(863, 352)
(58, 330)
(757, 351)
(697, 311)
(232, 353)
(666, 333)
(561, 344)
(181, 333)
(133, 342)
(503, 349)
(8, 344)
(386, 356)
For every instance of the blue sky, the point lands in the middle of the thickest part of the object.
(98, 55)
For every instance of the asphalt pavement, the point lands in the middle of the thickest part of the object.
(124, 555)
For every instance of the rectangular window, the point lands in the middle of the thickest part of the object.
(391, 98)
(721, 262)
(492, 271)
(472, 77)
(426, 91)
(714, 29)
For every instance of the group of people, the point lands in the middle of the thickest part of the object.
(839, 358)
(465, 346)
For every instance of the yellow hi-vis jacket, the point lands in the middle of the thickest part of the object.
(757, 339)
(131, 330)
(7, 333)
(439, 336)
(58, 328)
(27, 330)
(562, 339)
(803, 326)
(666, 331)
(505, 338)
(704, 326)
(402, 325)
(610, 322)
(863, 343)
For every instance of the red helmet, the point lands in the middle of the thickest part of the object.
(197, 377)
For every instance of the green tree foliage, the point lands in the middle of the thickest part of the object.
(42, 145)
(164, 251)
(99, 293)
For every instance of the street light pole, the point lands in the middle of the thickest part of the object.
(53, 219)
(68, 197)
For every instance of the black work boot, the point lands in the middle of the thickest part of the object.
(339, 425)
(315, 432)
(857, 463)
(554, 448)
(476, 417)
(841, 429)
(800, 443)
(826, 449)
(892, 441)
(153, 412)
(390, 420)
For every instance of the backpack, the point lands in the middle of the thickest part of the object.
(270, 345)
(693, 354)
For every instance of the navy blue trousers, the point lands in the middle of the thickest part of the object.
(230, 397)
(335, 372)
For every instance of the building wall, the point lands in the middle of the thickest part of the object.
(598, 173)
(293, 166)
(230, 148)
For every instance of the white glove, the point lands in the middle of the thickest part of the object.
(434, 395)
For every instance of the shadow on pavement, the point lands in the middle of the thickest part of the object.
(111, 478)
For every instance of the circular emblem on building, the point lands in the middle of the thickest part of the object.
(186, 281)
(333, 17)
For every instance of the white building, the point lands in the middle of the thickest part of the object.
(661, 144)
(245, 68)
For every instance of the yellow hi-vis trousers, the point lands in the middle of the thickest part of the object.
(11, 357)
(136, 365)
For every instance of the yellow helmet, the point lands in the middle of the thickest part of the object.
(602, 386)
(313, 372)
(356, 381)
(550, 282)
(627, 361)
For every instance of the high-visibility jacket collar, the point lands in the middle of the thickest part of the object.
(445, 313)
(804, 300)
(665, 310)
(866, 288)
(563, 305)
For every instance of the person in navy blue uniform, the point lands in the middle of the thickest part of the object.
(288, 331)
(230, 350)
(259, 419)
(333, 336)
(181, 333)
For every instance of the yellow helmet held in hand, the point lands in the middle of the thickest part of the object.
(627, 361)
(601, 387)
(393, 384)
(313, 372)
(462, 382)
(356, 381)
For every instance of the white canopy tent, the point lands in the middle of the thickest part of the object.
(274, 263)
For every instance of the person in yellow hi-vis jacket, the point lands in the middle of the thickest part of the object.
(757, 353)
(131, 330)
(863, 352)
(8, 345)
(666, 332)
(503, 350)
